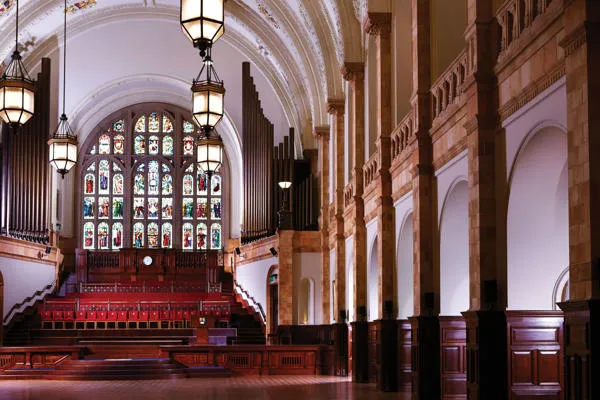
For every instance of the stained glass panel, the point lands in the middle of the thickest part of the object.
(168, 146)
(215, 236)
(140, 125)
(117, 236)
(153, 123)
(167, 208)
(153, 181)
(116, 167)
(202, 208)
(139, 184)
(139, 209)
(167, 235)
(215, 208)
(92, 167)
(165, 168)
(139, 145)
(93, 149)
(118, 184)
(89, 183)
(103, 177)
(167, 185)
(119, 126)
(202, 180)
(190, 168)
(188, 127)
(117, 208)
(188, 236)
(188, 209)
(167, 125)
(141, 168)
(138, 234)
(103, 236)
(88, 235)
(215, 184)
(89, 204)
(201, 236)
(103, 207)
(119, 144)
(188, 185)
(153, 147)
(104, 144)
(153, 234)
(188, 146)
(153, 208)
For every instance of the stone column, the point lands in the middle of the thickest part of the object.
(581, 44)
(485, 320)
(336, 109)
(355, 74)
(286, 276)
(425, 322)
(322, 135)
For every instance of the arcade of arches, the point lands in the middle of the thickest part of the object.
(441, 215)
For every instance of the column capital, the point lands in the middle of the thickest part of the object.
(321, 132)
(378, 24)
(336, 106)
(352, 71)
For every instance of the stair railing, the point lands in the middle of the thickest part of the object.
(28, 302)
(251, 301)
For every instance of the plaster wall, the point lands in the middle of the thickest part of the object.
(22, 279)
(253, 278)
(404, 257)
(308, 266)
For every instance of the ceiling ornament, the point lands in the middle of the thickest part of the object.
(5, 6)
(80, 5)
(268, 14)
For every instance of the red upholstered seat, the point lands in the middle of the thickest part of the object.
(216, 313)
(46, 315)
(92, 315)
(144, 316)
(102, 315)
(57, 315)
(68, 316)
(194, 313)
(134, 315)
(112, 315)
(122, 315)
(165, 315)
(181, 315)
(154, 315)
(80, 315)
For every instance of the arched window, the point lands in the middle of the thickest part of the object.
(141, 186)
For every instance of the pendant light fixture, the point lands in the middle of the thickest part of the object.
(203, 22)
(17, 89)
(63, 144)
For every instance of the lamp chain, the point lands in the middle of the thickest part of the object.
(17, 30)
(65, 59)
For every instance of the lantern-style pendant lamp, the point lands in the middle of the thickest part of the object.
(203, 22)
(207, 97)
(17, 89)
(210, 153)
(63, 144)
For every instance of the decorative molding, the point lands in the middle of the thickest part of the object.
(336, 106)
(531, 91)
(322, 132)
(574, 40)
(378, 24)
(80, 5)
(352, 71)
(5, 6)
(471, 125)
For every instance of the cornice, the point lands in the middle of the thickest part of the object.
(353, 71)
(574, 39)
(336, 106)
(321, 132)
(378, 24)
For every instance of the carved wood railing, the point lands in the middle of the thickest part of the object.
(516, 16)
(447, 88)
(370, 169)
(348, 195)
(402, 135)
(102, 260)
(255, 305)
(7, 361)
(191, 260)
(28, 302)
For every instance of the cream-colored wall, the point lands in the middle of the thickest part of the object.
(448, 24)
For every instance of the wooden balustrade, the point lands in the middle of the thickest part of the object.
(7, 361)
(448, 87)
(370, 169)
(348, 195)
(517, 16)
(402, 135)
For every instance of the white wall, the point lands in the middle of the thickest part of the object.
(350, 278)
(253, 278)
(404, 257)
(372, 277)
(22, 279)
(308, 266)
(332, 271)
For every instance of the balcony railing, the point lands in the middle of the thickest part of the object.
(348, 194)
(402, 135)
(447, 89)
(370, 169)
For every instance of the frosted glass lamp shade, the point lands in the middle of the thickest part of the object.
(207, 100)
(202, 21)
(17, 98)
(210, 154)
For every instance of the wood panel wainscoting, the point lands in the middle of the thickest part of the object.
(256, 360)
(33, 357)
(373, 334)
(535, 354)
(404, 363)
(453, 362)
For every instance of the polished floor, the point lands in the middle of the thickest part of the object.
(240, 388)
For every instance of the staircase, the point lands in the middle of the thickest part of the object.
(116, 369)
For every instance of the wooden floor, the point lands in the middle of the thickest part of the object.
(247, 388)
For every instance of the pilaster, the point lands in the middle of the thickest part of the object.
(322, 135)
(286, 276)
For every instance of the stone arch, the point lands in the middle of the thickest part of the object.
(454, 249)
(272, 303)
(404, 268)
(373, 282)
(537, 218)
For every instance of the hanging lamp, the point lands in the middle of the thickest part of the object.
(203, 22)
(63, 144)
(17, 89)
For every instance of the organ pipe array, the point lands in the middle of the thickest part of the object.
(25, 170)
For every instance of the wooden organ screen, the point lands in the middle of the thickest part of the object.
(25, 170)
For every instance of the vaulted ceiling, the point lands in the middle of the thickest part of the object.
(126, 51)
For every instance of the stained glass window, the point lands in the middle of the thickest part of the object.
(142, 188)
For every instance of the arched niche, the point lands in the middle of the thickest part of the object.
(404, 271)
(373, 283)
(350, 284)
(272, 305)
(537, 220)
(454, 250)
(306, 302)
